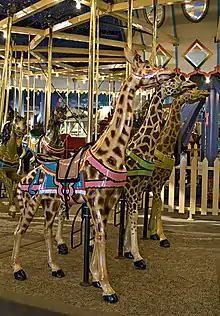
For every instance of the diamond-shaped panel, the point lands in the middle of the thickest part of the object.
(197, 54)
(163, 57)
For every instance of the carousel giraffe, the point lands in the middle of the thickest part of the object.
(139, 161)
(164, 161)
(103, 170)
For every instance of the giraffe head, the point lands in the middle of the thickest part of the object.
(19, 125)
(59, 113)
(144, 75)
(177, 85)
(194, 95)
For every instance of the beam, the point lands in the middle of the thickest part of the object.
(31, 10)
(140, 4)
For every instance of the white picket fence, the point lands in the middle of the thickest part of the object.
(205, 202)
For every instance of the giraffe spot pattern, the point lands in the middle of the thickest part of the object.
(112, 134)
(117, 151)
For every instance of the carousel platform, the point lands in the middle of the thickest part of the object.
(181, 281)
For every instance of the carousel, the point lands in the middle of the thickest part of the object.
(109, 150)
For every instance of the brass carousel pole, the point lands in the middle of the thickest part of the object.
(49, 77)
(28, 87)
(20, 84)
(91, 70)
(129, 35)
(34, 95)
(15, 81)
(97, 77)
(154, 40)
(5, 68)
(8, 86)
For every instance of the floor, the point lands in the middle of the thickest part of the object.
(183, 280)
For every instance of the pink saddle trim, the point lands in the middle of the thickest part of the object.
(50, 149)
(103, 184)
(113, 175)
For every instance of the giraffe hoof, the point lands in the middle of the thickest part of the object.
(128, 255)
(165, 243)
(96, 284)
(91, 248)
(20, 275)
(110, 298)
(154, 237)
(140, 264)
(58, 274)
(63, 249)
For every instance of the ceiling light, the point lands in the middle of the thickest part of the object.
(78, 5)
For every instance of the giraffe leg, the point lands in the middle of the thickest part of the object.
(164, 242)
(100, 208)
(50, 208)
(61, 245)
(131, 226)
(24, 222)
(152, 222)
(9, 188)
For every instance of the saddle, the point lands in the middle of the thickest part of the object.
(68, 169)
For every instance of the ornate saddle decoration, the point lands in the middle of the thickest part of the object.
(164, 161)
(52, 150)
(146, 167)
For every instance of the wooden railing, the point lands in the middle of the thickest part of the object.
(193, 188)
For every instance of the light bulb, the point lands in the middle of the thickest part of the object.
(207, 79)
(4, 34)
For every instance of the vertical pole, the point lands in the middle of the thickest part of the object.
(5, 68)
(97, 77)
(34, 94)
(78, 106)
(121, 227)
(91, 70)
(129, 36)
(49, 74)
(20, 84)
(67, 97)
(15, 81)
(203, 136)
(86, 218)
(146, 212)
(212, 140)
(154, 39)
(28, 87)
(8, 87)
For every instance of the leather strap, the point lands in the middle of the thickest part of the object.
(164, 161)
(147, 166)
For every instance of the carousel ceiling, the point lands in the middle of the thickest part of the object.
(69, 20)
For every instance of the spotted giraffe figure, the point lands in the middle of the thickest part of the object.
(164, 161)
(139, 161)
(102, 167)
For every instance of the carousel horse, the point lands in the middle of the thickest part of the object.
(164, 161)
(9, 159)
(139, 161)
(50, 144)
(95, 175)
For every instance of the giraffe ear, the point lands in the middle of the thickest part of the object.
(129, 54)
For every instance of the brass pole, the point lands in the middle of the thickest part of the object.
(154, 39)
(129, 35)
(28, 87)
(5, 68)
(34, 95)
(49, 77)
(109, 91)
(67, 101)
(15, 81)
(78, 92)
(20, 84)
(91, 70)
(97, 76)
(8, 86)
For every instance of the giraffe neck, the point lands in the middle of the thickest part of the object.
(12, 144)
(169, 134)
(143, 143)
(110, 147)
(53, 134)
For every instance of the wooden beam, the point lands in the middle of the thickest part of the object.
(140, 4)
(31, 10)
(26, 30)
